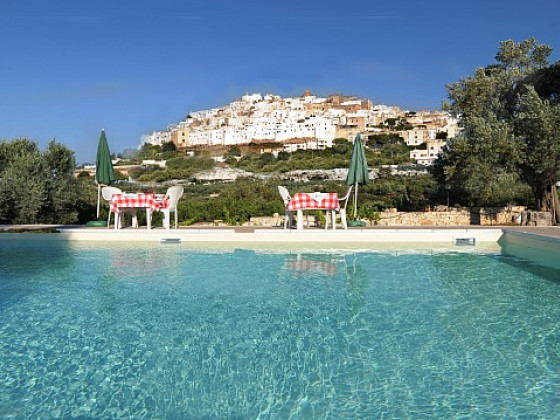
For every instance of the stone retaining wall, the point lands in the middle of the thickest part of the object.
(536, 218)
(439, 216)
(443, 216)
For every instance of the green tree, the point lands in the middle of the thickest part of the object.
(537, 126)
(547, 82)
(168, 147)
(341, 146)
(395, 153)
(22, 186)
(506, 129)
(37, 187)
(60, 185)
(385, 138)
(150, 151)
(283, 155)
(232, 152)
(266, 158)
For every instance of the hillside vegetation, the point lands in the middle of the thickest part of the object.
(508, 153)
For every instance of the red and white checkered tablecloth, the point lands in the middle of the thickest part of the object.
(304, 267)
(153, 201)
(306, 201)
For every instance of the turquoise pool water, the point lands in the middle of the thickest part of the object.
(164, 331)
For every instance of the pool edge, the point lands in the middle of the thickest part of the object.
(256, 235)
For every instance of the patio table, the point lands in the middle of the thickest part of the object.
(313, 201)
(149, 201)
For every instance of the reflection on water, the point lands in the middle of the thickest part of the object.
(146, 263)
(305, 264)
(24, 263)
(540, 255)
(356, 278)
(167, 332)
(358, 282)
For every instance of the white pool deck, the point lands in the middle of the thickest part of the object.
(288, 236)
(370, 235)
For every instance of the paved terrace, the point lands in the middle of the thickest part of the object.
(356, 236)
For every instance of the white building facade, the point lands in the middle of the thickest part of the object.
(306, 122)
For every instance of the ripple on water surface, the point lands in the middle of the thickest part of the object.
(111, 332)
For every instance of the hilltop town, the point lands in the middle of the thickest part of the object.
(307, 122)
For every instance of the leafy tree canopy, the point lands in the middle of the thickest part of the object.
(35, 186)
(385, 138)
(233, 152)
(508, 111)
(168, 147)
(341, 146)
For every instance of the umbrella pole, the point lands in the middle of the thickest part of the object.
(98, 199)
(356, 201)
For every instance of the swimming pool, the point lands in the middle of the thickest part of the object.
(168, 331)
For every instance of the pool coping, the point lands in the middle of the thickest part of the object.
(248, 234)
(537, 236)
(266, 235)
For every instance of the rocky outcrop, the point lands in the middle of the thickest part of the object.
(222, 174)
(338, 174)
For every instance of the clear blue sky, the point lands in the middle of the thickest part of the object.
(69, 68)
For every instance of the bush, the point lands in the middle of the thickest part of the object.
(35, 186)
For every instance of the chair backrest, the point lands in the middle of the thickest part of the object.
(343, 201)
(174, 194)
(285, 194)
(107, 192)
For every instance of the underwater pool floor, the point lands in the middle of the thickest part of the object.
(97, 331)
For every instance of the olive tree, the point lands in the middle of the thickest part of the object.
(22, 189)
(36, 187)
(61, 194)
(537, 127)
(507, 131)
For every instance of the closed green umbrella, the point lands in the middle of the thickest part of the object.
(357, 170)
(104, 174)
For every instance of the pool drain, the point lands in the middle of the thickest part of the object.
(465, 241)
(170, 240)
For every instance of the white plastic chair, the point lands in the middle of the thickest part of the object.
(287, 198)
(342, 203)
(173, 195)
(107, 193)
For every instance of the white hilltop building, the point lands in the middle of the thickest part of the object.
(304, 122)
(156, 138)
